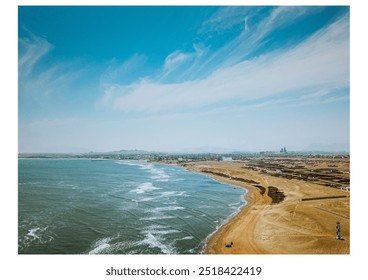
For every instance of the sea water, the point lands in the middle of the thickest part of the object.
(83, 206)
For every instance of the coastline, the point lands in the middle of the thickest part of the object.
(286, 212)
(215, 241)
(302, 222)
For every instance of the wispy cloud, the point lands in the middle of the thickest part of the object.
(320, 62)
(39, 82)
(317, 94)
(202, 61)
(227, 17)
(125, 72)
(31, 50)
(174, 59)
(181, 66)
(253, 33)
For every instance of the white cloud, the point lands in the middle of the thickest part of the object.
(252, 36)
(283, 16)
(181, 65)
(227, 17)
(38, 80)
(31, 51)
(174, 62)
(174, 59)
(321, 62)
(120, 72)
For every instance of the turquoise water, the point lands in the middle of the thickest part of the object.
(82, 206)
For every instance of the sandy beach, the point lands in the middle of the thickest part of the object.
(293, 206)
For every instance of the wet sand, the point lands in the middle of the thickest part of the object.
(283, 215)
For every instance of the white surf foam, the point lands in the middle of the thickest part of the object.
(161, 180)
(172, 193)
(144, 187)
(37, 235)
(33, 233)
(161, 232)
(234, 204)
(157, 227)
(100, 246)
(165, 208)
(164, 195)
(156, 218)
(130, 163)
(156, 242)
(158, 174)
(187, 238)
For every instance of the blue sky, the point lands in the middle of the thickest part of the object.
(183, 78)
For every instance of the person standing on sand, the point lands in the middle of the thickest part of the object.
(338, 231)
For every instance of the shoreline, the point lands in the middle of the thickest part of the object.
(210, 241)
(214, 239)
(299, 223)
(228, 219)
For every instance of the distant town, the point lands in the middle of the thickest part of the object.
(183, 157)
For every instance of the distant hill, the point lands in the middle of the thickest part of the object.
(130, 152)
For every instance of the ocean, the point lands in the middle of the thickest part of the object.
(83, 206)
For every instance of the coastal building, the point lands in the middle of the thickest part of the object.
(227, 159)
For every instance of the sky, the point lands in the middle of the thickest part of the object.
(183, 79)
